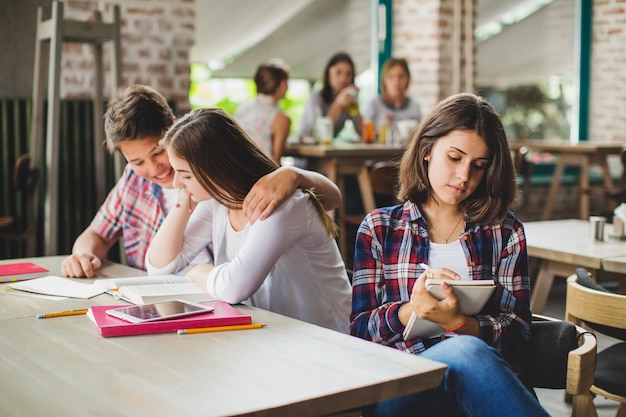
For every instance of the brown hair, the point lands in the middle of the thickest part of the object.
(495, 194)
(392, 62)
(327, 89)
(223, 158)
(136, 112)
(269, 75)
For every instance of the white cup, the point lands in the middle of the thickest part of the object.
(406, 128)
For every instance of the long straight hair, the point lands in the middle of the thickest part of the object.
(327, 89)
(223, 158)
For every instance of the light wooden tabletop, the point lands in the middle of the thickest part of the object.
(62, 367)
(561, 246)
(557, 146)
(617, 264)
(570, 241)
(345, 150)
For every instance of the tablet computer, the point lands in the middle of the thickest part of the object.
(165, 310)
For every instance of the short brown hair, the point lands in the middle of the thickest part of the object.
(136, 112)
(467, 112)
(269, 75)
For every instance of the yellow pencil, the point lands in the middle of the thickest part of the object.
(221, 328)
(61, 314)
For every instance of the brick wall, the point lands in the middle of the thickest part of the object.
(156, 37)
(607, 118)
(422, 33)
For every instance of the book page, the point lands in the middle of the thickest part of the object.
(142, 294)
(113, 283)
(162, 289)
(472, 297)
(63, 287)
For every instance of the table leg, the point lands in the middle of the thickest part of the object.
(554, 188)
(541, 289)
(545, 278)
(365, 186)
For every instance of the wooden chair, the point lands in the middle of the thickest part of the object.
(23, 228)
(383, 178)
(589, 304)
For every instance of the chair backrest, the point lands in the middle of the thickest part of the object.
(24, 181)
(384, 177)
(562, 355)
(587, 305)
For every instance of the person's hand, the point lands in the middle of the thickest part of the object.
(445, 312)
(347, 96)
(81, 266)
(268, 193)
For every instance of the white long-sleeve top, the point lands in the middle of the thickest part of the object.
(286, 263)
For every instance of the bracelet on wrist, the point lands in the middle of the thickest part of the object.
(190, 202)
(458, 327)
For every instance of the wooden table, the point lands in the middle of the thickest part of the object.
(618, 266)
(581, 154)
(342, 159)
(62, 367)
(560, 246)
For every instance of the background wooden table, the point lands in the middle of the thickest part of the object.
(561, 246)
(581, 154)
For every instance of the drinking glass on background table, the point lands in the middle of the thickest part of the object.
(323, 131)
(596, 224)
(353, 107)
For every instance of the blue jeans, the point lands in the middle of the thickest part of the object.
(478, 382)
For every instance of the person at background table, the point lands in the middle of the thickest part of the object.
(261, 118)
(457, 182)
(135, 121)
(337, 96)
(288, 263)
(393, 104)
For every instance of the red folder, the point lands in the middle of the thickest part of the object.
(223, 315)
(21, 271)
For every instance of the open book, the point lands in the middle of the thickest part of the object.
(472, 295)
(152, 289)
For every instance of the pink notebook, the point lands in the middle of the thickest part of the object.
(223, 315)
(21, 271)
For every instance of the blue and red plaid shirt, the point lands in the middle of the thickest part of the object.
(132, 210)
(391, 242)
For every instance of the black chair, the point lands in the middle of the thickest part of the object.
(22, 227)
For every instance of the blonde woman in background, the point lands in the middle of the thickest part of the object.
(261, 118)
(393, 104)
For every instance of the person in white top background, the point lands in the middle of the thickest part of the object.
(288, 263)
(261, 118)
(393, 104)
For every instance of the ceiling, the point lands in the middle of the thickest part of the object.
(305, 33)
(538, 47)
